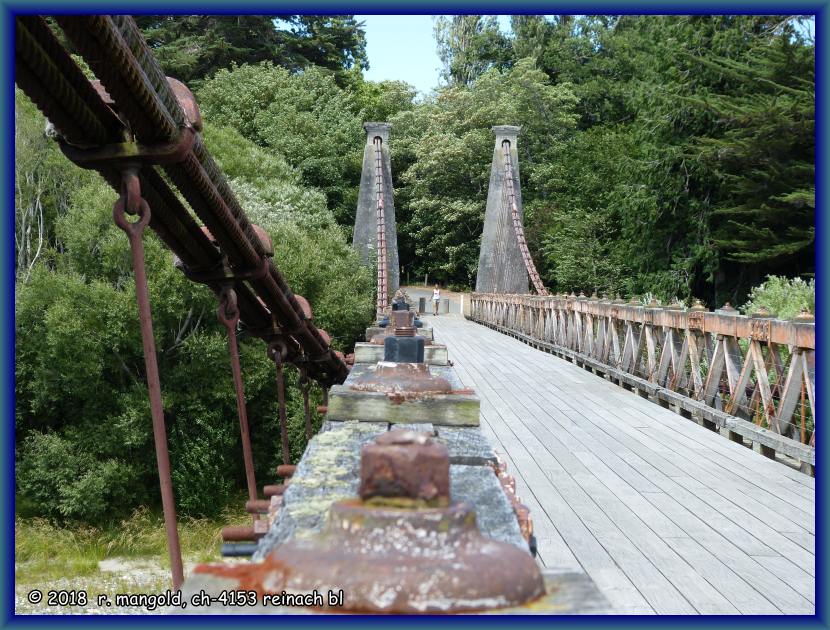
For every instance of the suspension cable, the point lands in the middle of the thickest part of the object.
(509, 198)
(380, 214)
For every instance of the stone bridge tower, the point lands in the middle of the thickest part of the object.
(501, 267)
(375, 180)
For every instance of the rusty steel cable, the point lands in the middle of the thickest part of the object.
(114, 48)
(99, 127)
(277, 351)
(380, 215)
(228, 315)
(518, 228)
(42, 69)
(36, 42)
(131, 202)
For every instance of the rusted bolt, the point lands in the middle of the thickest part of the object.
(407, 380)
(241, 534)
(523, 517)
(257, 506)
(273, 490)
(286, 470)
(405, 465)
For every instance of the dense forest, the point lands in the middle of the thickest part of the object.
(662, 155)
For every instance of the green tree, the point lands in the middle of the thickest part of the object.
(335, 42)
(193, 47)
(784, 297)
(380, 100)
(304, 117)
(705, 128)
(42, 186)
(449, 146)
(468, 45)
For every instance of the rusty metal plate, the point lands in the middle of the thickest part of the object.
(402, 379)
(696, 320)
(398, 561)
(760, 329)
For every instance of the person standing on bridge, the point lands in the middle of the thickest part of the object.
(436, 297)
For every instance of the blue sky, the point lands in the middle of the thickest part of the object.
(401, 47)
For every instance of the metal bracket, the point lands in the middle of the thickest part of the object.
(223, 272)
(760, 329)
(123, 153)
(696, 320)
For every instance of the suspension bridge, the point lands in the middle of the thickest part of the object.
(651, 458)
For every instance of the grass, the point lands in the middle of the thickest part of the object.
(49, 556)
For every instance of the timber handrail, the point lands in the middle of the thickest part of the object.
(751, 375)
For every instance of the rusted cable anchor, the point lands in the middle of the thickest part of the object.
(228, 315)
(278, 351)
(131, 202)
(402, 547)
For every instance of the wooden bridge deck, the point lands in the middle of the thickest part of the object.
(666, 516)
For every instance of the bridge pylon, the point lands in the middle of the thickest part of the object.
(504, 263)
(375, 230)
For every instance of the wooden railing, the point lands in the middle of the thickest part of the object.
(749, 377)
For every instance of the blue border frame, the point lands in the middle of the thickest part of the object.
(8, 9)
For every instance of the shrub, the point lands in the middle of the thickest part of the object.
(83, 427)
(785, 297)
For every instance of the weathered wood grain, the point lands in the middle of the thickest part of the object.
(664, 514)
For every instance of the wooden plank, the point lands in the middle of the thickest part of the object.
(804, 539)
(733, 556)
(593, 556)
(710, 387)
(665, 356)
(588, 497)
(746, 599)
(625, 554)
(799, 580)
(589, 457)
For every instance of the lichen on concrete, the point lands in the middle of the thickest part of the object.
(328, 472)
